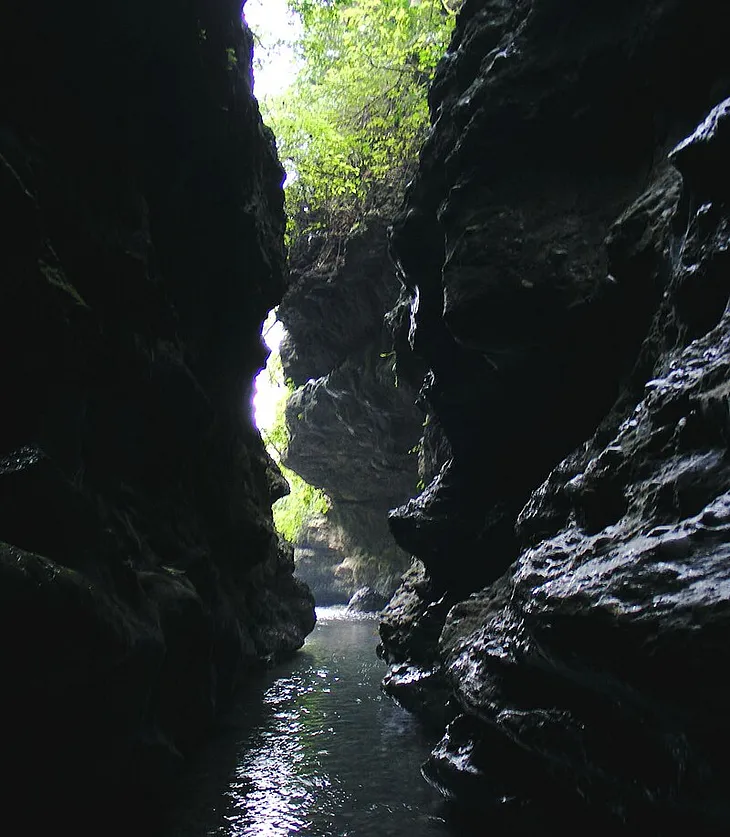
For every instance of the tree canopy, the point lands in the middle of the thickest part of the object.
(349, 127)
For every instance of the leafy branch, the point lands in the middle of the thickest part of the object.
(357, 113)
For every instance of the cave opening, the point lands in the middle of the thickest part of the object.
(343, 87)
(300, 516)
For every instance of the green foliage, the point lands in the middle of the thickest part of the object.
(304, 501)
(350, 126)
(276, 436)
(292, 512)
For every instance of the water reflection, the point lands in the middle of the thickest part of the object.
(281, 777)
(321, 752)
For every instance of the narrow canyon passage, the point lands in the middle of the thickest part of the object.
(497, 236)
(316, 749)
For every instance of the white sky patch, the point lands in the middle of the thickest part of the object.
(268, 393)
(275, 28)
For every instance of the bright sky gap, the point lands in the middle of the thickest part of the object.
(275, 67)
(275, 28)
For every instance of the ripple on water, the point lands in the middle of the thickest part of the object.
(319, 751)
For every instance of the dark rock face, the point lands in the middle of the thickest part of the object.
(569, 278)
(142, 246)
(367, 600)
(352, 420)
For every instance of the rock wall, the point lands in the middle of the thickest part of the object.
(565, 244)
(140, 576)
(352, 420)
(321, 562)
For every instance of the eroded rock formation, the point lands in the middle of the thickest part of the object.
(352, 421)
(140, 576)
(321, 561)
(565, 244)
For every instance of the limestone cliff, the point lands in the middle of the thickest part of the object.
(140, 576)
(353, 422)
(565, 243)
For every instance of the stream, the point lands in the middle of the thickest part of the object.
(316, 750)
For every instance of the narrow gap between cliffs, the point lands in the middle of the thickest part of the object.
(343, 86)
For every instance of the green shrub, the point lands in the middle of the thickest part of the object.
(292, 512)
(349, 128)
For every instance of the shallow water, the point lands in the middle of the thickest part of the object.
(318, 751)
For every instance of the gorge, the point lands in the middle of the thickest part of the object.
(552, 292)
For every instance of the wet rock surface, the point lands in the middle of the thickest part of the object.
(140, 576)
(322, 564)
(352, 419)
(566, 244)
(367, 600)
